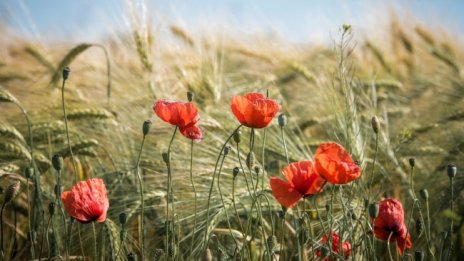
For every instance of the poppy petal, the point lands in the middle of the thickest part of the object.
(254, 110)
(192, 132)
(335, 165)
(284, 193)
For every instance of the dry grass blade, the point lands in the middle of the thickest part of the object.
(182, 34)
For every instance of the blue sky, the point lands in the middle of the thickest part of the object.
(297, 20)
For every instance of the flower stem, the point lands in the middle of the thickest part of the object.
(67, 131)
(142, 205)
(195, 200)
(388, 246)
(169, 192)
(285, 144)
(94, 241)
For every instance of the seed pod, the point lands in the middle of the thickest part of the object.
(190, 96)
(419, 255)
(452, 170)
(131, 257)
(419, 226)
(373, 210)
(11, 192)
(165, 157)
(412, 162)
(51, 208)
(57, 162)
(250, 160)
(424, 194)
(375, 124)
(282, 120)
(66, 72)
(122, 218)
(158, 254)
(237, 136)
(226, 150)
(235, 171)
(146, 127)
(257, 170)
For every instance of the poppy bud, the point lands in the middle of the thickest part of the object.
(412, 162)
(250, 160)
(325, 251)
(375, 124)
(51, 208)
(57, 162)
(257, 170)
(237, 136)
(452, 170)
(11, 192)
(235, 171)
(131, 257)
(271, 243)
(29, 172)
(66, 72)
(419, 226)
(158, 254)
(57, 190)
(424, 194)
(190, 96)
(282, 120)
(122, 218)
(146, 127)
(419, 255)
(226, 150)
(165, 157)
(373, 210)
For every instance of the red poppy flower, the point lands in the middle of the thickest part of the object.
(254, 110)
(180, 114)
(390, 220)
(335, 165)
(302, 181)
(87, 201)
(346, 246)
(192, 132)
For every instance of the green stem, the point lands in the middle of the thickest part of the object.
(94, 241)
(195, 200)
(142, 205)
(388, 246)
(285, 144)
(169, 192)
(452, 221)
(282, 236)
(67, 131)
(374, 160)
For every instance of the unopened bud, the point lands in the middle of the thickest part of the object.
(122, 218)
(66, 72)
(51, 208)
(375, 124)
(190, 96)
(412, 162)
(373, 210)
(257, 170)
(11, 192)
(235, 171)
(250, 160)
(282, 120)
(146, 127)
(424, 194)
(57, 162)
(419, 226)
(452, 170)
(165, 157)
(131, 257)
(237, 136)
(227, 150)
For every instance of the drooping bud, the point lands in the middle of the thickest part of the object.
(235, 171)
(419, 226)
(419, 255)
(190, 96)
(375, 124)
(51, 208)
(122, 218)
(57, 162)
(146, 127)
(11, 192)
(250, 160)
(237, 136)
(165, 157)
(373, 210)
(131, 257)
(424, 194)
(282, 120)
(412, 162)
(257, 170)
(158, 254)
(452, 170)
(66, 72)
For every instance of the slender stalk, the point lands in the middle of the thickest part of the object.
(94, 241)
(282, 235)
(374, 160)
(282, 134)
(142, 205)
(32, 250)
(205, 239)
(388, 246)
(409, 223)
(195, 200)
(451, 224)
(169, 191)
(235, 207)
(263, 159)
(45, 232)
(67, 131)
(1, 230)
